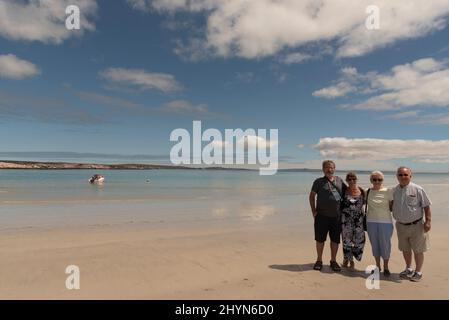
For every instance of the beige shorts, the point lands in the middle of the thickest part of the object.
(412, 237)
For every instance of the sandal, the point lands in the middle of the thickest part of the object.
(335, 266)
(318, 265)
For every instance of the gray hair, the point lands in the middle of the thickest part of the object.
(376, 173)
(400, 168)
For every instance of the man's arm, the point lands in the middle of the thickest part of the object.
(428, 215)
(312, 197)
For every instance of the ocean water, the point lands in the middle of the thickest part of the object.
(40, 198)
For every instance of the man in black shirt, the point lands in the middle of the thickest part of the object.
(325, 198)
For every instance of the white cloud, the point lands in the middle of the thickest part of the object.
(350, 81)
(43, 20)
(432, 119)
(186, 108)
(14, 68)
(190, 5)
(416, 117)
(296, 57)
(435, 161)
(338, 90)
(403, 115)
(342, 164)
(257, 28)
(141, 79)
(423, 83)
(384, 149)
(139, 4)
(172, 5)
(193, 49)
(349, 72)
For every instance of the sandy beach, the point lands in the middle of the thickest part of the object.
(174, 150)
(209, 262)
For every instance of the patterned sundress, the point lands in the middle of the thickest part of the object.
(352, 235)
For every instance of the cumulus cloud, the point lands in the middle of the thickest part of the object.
(338, 90)
(43, 20)
(420, 84)
(14, 68)
(419, 150)
(424, 82)
(140, 79)
(258, 28)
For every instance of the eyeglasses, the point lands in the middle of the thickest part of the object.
(378, 180)
(402, 175)
(352, 179)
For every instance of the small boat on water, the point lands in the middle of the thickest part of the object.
(96, 178)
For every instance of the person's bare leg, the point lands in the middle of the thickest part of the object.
(386, 264)
(419, 260)
(377, 262)
(352, 265)
(334, 250)
(319, 251)
(407, 258)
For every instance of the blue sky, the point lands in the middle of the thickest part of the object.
(138, 69)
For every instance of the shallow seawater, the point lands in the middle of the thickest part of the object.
(35, 198)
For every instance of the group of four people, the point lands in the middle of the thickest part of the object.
(347, 211)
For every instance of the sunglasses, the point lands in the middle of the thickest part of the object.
(378, 180)
(352, 179)
(402, 175)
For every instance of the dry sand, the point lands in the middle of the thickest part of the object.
(213, 262)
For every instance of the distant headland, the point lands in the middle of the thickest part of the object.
(37, 165)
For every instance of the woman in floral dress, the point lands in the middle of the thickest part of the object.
(353, 234)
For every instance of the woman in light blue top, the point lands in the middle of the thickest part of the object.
(379, 221)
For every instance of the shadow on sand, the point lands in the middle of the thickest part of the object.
(346, 272)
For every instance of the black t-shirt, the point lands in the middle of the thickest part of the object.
(328, 198)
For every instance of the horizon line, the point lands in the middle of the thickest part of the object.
(209, 167)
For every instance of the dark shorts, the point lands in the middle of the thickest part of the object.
(324, 225)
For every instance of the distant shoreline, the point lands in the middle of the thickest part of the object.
(39, 165)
